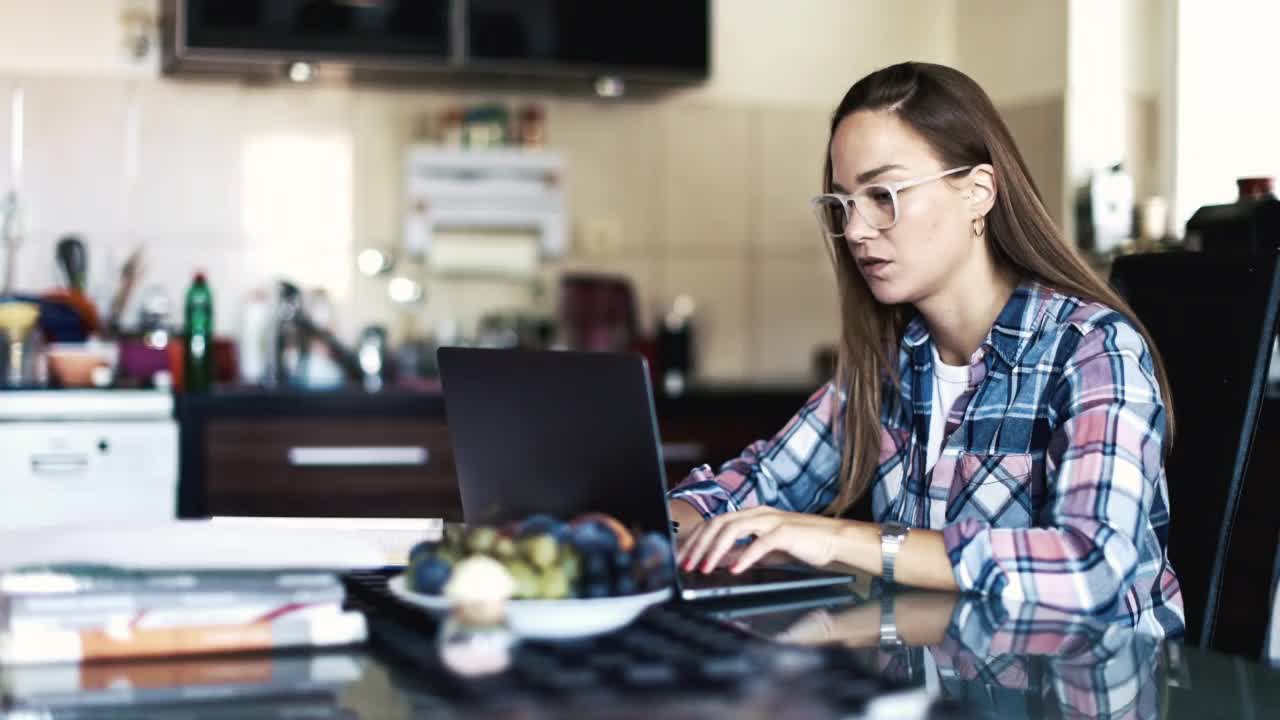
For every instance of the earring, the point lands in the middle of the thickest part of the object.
(979, 225)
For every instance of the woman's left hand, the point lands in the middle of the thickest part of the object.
(811, 539)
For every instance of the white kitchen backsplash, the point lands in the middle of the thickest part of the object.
(252, 183)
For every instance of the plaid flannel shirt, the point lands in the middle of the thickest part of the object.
(1031, 661)
(1050, 487)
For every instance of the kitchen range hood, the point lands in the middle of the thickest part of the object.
(606, 48)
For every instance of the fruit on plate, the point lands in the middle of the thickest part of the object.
(625, 540)
(429, 573)
(543, 557)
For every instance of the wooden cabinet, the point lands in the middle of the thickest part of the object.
(397, 467)
(317, 455)
(714, 425)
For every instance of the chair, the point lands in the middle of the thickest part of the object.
(1272, 654)
(1213, 319)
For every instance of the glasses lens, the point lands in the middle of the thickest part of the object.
(876, 203)
(831, 215)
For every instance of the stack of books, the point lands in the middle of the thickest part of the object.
(80, 613)
(296, 685)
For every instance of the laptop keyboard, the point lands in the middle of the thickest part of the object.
(671, 649)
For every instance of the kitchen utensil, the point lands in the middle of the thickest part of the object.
(16, 321)
(130, 273)
(10, 238)
(73, 261)
(374, 358)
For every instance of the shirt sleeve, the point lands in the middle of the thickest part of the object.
(796, 470)
(1104, 466)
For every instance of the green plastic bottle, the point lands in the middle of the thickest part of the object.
(198, 368)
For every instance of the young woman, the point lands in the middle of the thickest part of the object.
(1001, 404)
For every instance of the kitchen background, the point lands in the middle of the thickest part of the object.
(699, 192)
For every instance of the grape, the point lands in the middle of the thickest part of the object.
(543, 524)
(623, 579)
(570, 564)
(526, 579)
(429, 574)
(654, 563)
(426, 547)
(593, 537)
(450, 554)
(595, 574)
(481, 539)
(504, 548)
(455, 536)
(541, 550)
(624, 585)
(554, 585)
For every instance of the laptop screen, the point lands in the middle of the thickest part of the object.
(554, 432)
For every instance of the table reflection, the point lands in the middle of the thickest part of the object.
(993, 659)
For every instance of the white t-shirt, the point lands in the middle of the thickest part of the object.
(949, 383)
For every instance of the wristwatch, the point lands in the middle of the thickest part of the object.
(892, 534)
(889, 637)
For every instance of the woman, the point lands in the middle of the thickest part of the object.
(1002, 405)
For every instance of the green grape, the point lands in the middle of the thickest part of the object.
(504, 548)
(570, 564)
(450, 554)
(541, 550)
(455, 536)
(553, 584)
(481, 540)
(526, 579)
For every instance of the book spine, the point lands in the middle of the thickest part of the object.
(303, 629)
(163, 617)
(53, 581)
(114, 603)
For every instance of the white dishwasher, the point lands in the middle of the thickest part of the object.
(71, 457)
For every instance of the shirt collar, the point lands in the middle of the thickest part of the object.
(1012, 330)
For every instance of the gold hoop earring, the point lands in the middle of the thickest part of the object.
(979, 225)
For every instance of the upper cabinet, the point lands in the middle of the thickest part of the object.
(565, 45)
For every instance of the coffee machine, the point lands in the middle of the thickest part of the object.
(1250, 224)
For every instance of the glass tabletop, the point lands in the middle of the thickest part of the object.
(950, 656)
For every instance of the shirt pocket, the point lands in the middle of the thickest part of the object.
(1003, 489)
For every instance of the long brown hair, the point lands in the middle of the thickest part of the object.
(960, 123)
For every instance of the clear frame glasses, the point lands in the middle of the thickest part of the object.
(876, 203)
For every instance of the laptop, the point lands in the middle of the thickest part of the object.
(563, 432)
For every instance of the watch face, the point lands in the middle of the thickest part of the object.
(893, 528)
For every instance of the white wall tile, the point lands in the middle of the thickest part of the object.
(720, 287)
(7, 86)
(611, 171)
(704, 177)
(75, 154)
(788, 148)
(190, 160)
(796, 308)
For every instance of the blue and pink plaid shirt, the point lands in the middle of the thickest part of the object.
(1050, 487)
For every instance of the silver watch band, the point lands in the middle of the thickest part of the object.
(891, 536)
(889, 636)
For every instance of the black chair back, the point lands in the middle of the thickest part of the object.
(1213, 320)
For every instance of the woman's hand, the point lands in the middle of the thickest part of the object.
(811, 539)
(921, 618)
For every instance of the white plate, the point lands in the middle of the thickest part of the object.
(552, 619)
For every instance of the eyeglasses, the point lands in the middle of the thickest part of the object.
(877, 204)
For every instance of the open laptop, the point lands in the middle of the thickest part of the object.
(567, 432)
